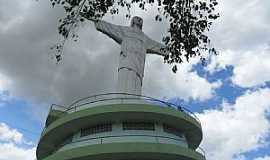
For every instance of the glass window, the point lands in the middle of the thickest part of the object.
(96, 129)
(139, 126)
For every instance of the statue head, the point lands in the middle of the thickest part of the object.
(136, 22)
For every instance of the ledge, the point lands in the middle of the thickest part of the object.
(121, 151)
(53, 116)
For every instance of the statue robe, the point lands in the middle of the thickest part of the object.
(134, 46)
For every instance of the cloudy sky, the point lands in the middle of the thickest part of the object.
(231, 95)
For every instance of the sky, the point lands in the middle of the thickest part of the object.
(231, 95)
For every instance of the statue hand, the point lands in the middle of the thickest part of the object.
(89, 18)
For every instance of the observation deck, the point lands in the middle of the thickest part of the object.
(118, 126)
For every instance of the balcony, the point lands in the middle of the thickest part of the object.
(115, 98)
(64, 121)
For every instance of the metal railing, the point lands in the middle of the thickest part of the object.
(201, 151)
(157, 139)
(119, 98)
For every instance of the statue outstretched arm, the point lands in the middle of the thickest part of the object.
(154, 47)
(115, 32)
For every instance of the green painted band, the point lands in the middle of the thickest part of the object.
(118, 151)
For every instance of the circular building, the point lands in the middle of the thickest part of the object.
(120, 127)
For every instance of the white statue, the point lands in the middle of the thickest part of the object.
(134, 46)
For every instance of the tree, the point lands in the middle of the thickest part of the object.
(189, 20)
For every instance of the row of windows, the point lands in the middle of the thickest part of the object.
(107, 127)
(126, 126)
(148, 126)
(139, 126)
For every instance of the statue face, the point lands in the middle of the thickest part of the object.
(137, 22)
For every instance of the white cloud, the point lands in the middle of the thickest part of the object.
(186, 84)
(4, 82)
(237, 128)
(84, 64)
(10, 139)
(263, 158)
(240, 35)
(9, 151)
(4, 98)
(4, 95)
(243, 25)
(7, 134)
(251, 68)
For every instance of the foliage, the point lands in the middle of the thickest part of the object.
(186, 37)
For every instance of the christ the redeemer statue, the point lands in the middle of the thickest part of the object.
(134, 46)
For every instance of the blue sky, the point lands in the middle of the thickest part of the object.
(231, 95)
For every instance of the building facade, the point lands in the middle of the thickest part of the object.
(120, 127)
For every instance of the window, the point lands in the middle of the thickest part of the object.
(139, 126)
(172, 130)
(96, 129)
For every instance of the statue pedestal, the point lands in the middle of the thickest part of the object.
(101, 128)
